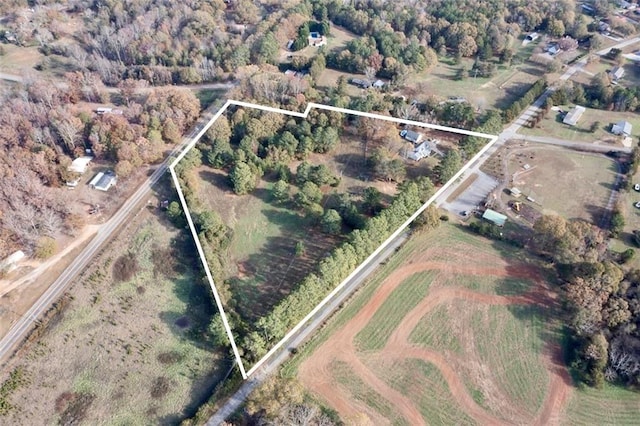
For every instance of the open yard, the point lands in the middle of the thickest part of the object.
(552, 126)
(571, 184)
(608, 406)
(499, 91)
(131, 345)
(450, 331)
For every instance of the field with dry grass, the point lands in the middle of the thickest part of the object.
(568, 183)
(131, 346)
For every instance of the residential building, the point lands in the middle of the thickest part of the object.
(363, 84)
(617, 73)
(80, 164)
(411, 136)
(103, 181)
(574, 115)
(621, 128)
(421, 151)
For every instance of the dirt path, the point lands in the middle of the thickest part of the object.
(316, 373)
(40, 267)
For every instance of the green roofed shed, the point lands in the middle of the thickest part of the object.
(495, 217)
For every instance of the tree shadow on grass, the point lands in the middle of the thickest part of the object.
(269, 275)
(216, 177)
(191, 325)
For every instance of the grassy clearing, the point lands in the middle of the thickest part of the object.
(506, 342)
(387, 318)
(499, 91)
(423, 384)
(509, 341)
(128, 353)
(552, 125)
(345, 376)
(555, 173)
(611, 405)
(436, 330)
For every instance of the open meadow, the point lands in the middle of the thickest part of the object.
(131, 343)
(571, 184)
(507, 85)
(552, 126)
(454, 329)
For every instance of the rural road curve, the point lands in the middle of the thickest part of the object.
(241, 394)
(19, 330)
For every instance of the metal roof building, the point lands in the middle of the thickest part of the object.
(494, 217)
(574, 115)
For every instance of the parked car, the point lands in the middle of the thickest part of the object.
(636, 186)
(637, 204)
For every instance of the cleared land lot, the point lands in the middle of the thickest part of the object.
(507, 85)
(552, 126)
(450, 331)
(571, 184)
(131, 345)
(262, 266)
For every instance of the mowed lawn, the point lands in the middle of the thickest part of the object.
(571, 184)
(498, 91)
(423, 384)
(552, 126)
(496, 350)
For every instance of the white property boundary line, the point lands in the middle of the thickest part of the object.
(310, 106)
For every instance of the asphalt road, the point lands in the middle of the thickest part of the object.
(19, 330)
(241, 394)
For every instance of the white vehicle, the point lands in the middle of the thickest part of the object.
(636, 186)
(637, 204)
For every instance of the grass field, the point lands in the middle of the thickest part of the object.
(263, 267)
(499, 91)
(386, 319)
(131, 347)
(572, 184)
(424, 385)
(552, 125)
(443, 345)
(608, 406)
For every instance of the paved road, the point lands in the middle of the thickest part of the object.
(19, 330)
(274, 362)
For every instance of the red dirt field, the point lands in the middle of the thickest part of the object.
(316, 372)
